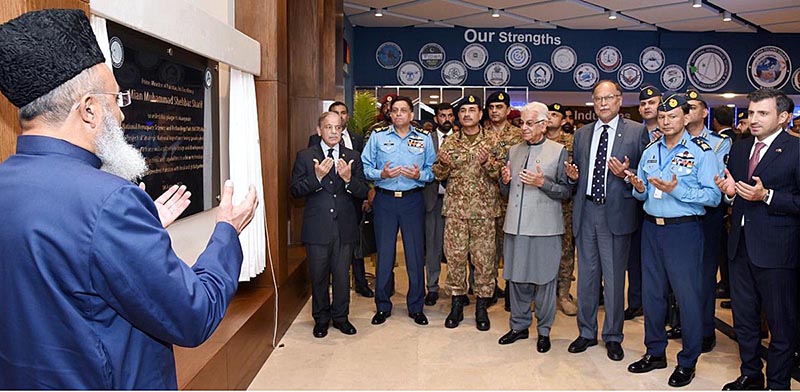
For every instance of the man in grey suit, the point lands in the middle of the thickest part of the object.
(604, 216)
(434, 221)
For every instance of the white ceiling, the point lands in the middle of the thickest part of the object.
(777, 16)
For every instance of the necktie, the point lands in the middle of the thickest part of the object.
(599, 175)
(330, 155)
(754, 159)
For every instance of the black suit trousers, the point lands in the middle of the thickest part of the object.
(326, 261)
(776, 290)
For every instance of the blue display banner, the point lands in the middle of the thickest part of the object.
(573, 60)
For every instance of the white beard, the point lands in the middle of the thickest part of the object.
(118, 157)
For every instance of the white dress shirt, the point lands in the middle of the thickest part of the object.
(441, 135)
(767, 142)
(598, 130)
(348, 142)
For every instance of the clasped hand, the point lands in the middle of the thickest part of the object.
(410, 172)
(730, 187)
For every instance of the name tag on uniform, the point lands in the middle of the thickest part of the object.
(658, 194)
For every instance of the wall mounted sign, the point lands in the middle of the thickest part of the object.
(497, 74)
(117, 52)
(652, 59)
(454, 73)
(389, 55)
(673, 78)
(431, 56)
(630, 76)
(769, 66)
(796, 80)
(518, 56)
(708, 68)
(564, 59)
(475, 56)
(586, 76)
(609, 59)
(409, 73)
(540, 75)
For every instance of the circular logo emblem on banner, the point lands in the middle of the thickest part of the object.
(117, 52)
(630, 76)
(540, 75)
(496, 74)
(609, 58)
(796, 79)
(652, 59)
(672, 77)
(769, 66)
(208, 78)
(708, 68)
(475, 56)
(409, 73)
(389, 55)
(518, 56)
(431, 56)
(563, 59)
(585, 76)
(454, 73)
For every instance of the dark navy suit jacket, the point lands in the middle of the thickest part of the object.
(329, 200)
(771, 231)
(623, 209)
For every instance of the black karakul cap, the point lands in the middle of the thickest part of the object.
(498, 96)
(470, 100)
(42, 50)
(557, 107)
(648, 92)
(671, 100)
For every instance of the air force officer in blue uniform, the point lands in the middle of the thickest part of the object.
(398, 158)
(675, 179)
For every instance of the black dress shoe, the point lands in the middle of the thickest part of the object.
(725, 304)
(632, 313)
(380, 317)
(345, 327)
(581, 344)
(674, 333)
(543, 344)
(708, 344)
(681, 377)
(745, 383)
(320, 330)
(365, 292)
(419, 318)
(513, 335)
(431, 298)
(614, 351)
(648, 363)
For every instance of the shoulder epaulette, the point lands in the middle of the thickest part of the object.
(701, 143)
(722, 135)
(653, 142)
(381, 128)
(422, 131)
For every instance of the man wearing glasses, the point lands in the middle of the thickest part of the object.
(94, 295)
(398, 159)
(604, 216)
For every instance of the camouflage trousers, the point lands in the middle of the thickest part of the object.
(567, 267)
(476, 237)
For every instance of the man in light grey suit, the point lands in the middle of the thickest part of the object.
(434, 221)
(604, 216)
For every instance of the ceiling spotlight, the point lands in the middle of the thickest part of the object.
(726, 16)
(730, 105)
(729, 95)
(433, 102)
(697, 3)
(612, 15)
(434, 96)
(378, 12)
(494, 12)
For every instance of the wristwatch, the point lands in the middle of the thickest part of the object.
(766, 196)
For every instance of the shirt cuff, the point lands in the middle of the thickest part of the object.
(769, 196)
(728, 199)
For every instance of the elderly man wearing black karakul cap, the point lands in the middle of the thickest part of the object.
(94, 297)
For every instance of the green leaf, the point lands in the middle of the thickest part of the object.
(365, 112)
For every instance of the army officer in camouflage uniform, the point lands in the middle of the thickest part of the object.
(470, 163)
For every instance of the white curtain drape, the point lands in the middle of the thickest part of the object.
(245, 168)
(101, 33)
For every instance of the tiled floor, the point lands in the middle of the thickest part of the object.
(399, 355)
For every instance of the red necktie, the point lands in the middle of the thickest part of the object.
(754, 159)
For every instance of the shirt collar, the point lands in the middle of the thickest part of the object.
(45, 145)
(768, 141)
(442, 134)
(685, 138)
(325, 147)
(598, 125)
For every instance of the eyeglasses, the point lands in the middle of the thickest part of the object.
(123, 97)
(608, 98)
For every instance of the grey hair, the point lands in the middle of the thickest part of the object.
(539, 108)
(54, 107)
(325, 115)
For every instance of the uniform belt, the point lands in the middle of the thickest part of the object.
(591, 199)
(399, 193)
(672, 221)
